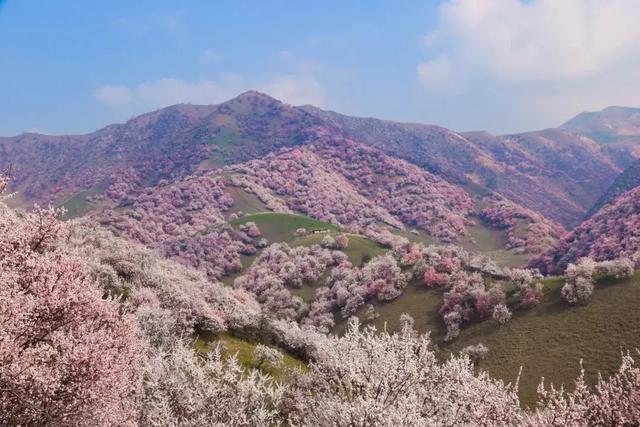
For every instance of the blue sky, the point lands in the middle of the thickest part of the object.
(500, 65)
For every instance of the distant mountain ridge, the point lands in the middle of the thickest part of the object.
(609, 125)
(166, 144)
(555, 172)
(616, 128)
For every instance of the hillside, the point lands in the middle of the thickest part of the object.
(166, 144)
(611, 125)
(556, 173)
(616, 128)
(627, 180)
(548, 341)
(382, 179)
(332, 179)
(614, 231)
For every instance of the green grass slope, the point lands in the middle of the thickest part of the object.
(491, 242)
(77, 204)
(244, 351)
(548, 341)
(280, 227)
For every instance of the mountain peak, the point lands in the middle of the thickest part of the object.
(610, 125)
(613, 111)
(253, 96)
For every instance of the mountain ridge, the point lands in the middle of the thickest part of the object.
(534, 169)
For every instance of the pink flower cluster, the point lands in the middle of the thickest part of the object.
(184, 220)
(467, 297)
(409, 193)
(347, 289)
(67, 356)
(280, 267)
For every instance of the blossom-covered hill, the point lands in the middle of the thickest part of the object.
(350, 184)
(332, 179)
(613, 232)
(627, 180)
(557, 173)
(166, 144)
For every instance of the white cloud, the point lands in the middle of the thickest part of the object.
(542, 54)
(294, 89)
(113, 95)
(172, 22)
(436, 73)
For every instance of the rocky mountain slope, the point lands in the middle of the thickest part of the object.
(613, 124)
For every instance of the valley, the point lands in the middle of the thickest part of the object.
(320, 217)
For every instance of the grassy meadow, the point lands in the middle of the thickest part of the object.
(244, 352)
(548, 341)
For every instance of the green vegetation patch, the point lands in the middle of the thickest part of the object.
(550, 341)
(244, 351)
(280, 227)
(78, 205)
(491, 242)
(244, 201)
(417, 300)
(228, 141)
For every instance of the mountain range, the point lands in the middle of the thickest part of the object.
(367, 171)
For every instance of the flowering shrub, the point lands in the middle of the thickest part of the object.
(612, 402)
(528, 291)
(466, 299)
(342, 241)
(581, 277)
(280, 267)
(501, 314)
(172, 299)
(347, 289)
(184, 388)
(370, 378)
(184, 220)
(432, 278)
(267, 355)
(67, 356)
(475, 352)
